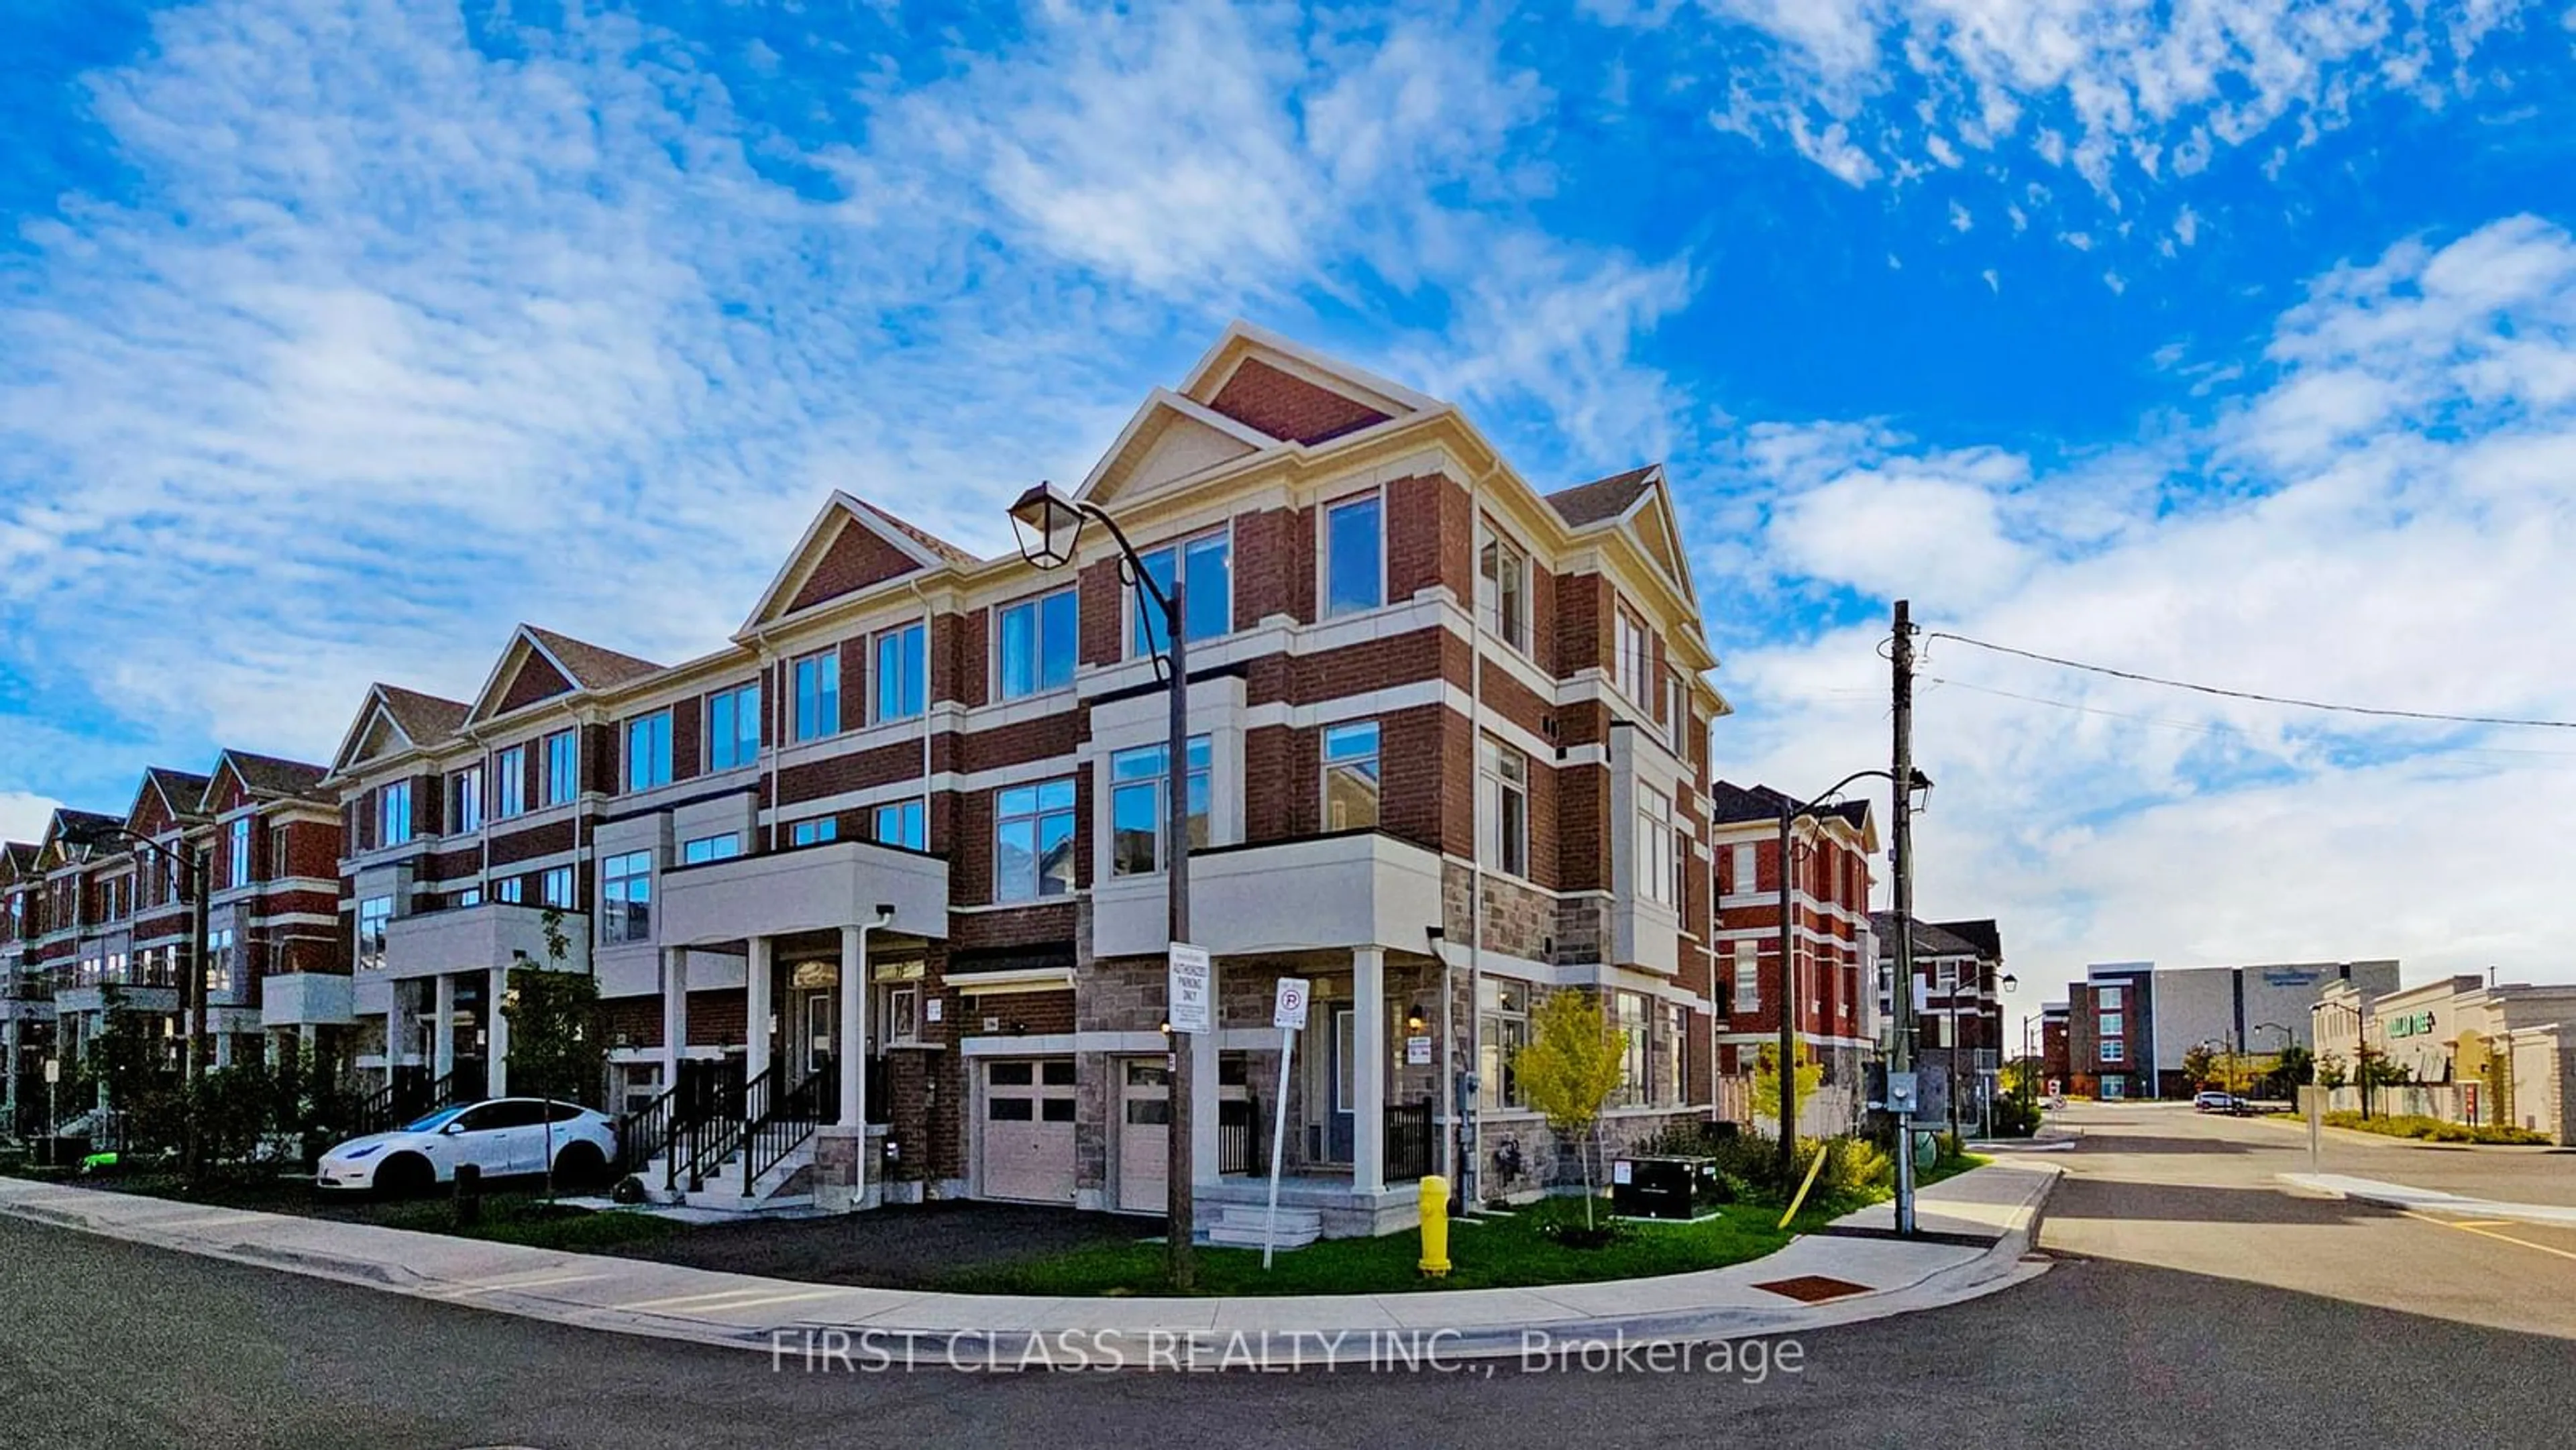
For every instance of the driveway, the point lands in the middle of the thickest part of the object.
(911, 1247)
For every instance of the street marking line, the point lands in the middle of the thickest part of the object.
(2482, 1222)
(699, 1298)
(459, 1291)
(771, 1302)
(2485, 1233)
(720, 1300)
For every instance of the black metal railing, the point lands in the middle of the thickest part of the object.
(775, 1134)
(1238, 1136)
(708, 1141)
(1409, 1141)
(879, 1105)
(406, 1095)
(645, 1134)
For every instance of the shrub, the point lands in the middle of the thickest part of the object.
(2434, 1130)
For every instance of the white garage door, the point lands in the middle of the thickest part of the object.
(1028, 1130)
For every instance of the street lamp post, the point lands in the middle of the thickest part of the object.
(1049, 524)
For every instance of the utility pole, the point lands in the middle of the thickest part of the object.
(1788, 1007)
(1901, 857)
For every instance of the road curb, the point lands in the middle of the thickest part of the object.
(1140, 1333)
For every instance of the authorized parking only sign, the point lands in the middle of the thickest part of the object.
(1189, 989)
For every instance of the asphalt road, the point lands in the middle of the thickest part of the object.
(2190, 1305)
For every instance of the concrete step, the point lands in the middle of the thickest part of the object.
(1244, 1227)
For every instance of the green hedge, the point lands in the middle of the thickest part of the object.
(2434, 1130)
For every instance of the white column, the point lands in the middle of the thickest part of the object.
(394, 1034)
(675, 1014)
(9, 1070)
(442, 1042)
(1368, 1070)
(306, 1034)
(755, 1053)
(854, 1034)
(496, 1037)
(223, 1050)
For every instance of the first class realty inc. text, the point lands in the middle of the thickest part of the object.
(827, 1351)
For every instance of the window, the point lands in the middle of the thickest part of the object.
(1748, 978)
(1505, 818)
(902, 823)
(733, 728)
(815, 830)
(1137, 806)
(903, 673)
(1502, 1030)
(1946, 976)
(1677, 714)
(711, 848)
(626, 897)
(237, 864)
(511, 889)
(281, 861)
(1681, 865)
(2113, 1024)
(648, 751)
(555, 888)
(510, 769)
(1038, 644)
(1503, 590)
(1629, 665)
(1350, 776)
(1654, 867)
(2114, 1050)
(470, 896)
(903, 1014)
(465, 801)
(1746, 877)
(1354, 557)
(817, 691)
(2106, 998)
(1208, 601)
(393, 814)
(563, 768)
(219, 960)
(1033, 841)
(1671, 1028)
(373, 913)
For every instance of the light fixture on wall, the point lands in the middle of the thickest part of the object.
(1416, 1022)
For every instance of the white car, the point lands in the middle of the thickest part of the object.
(503, 1137)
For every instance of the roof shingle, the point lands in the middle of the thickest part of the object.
(1602, 498)
(427, 719)
(593, 667)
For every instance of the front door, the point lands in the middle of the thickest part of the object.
(1144, 1135)
(814, 1039)
(1028, 1130)
(1340, 1128)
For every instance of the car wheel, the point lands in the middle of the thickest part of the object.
(581, 1164)
(405, 1175)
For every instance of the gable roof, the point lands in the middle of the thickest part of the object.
(591, 666)
(852, 546)
(1929, 940)
(1295, 393)
(269, 777)
(1981, 933)
(1602, 498)
(539, 664)
(18, 856)
(1732, 804)
(1170, 437)
(182, 793)
(420, 720)
(73, 831)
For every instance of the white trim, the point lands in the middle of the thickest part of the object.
(1018, 979)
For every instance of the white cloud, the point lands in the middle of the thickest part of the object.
(1960, 220)
(23, 817)
(2347, 554)
(1994, 280)
(2115, 282)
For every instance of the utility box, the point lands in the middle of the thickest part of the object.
(1679, 1188)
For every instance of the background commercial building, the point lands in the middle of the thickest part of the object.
(2131, 1024)
(2468, 1051)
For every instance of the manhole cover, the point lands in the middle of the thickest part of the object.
(1813, 1288)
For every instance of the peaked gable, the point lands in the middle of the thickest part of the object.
(164, 799)
(394, 720)
(1169, 439)
(535, 679)
(851, 547)
(857, 558)
(1284, 405)
(1290, 392)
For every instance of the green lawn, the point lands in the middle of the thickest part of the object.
(1491, 1253)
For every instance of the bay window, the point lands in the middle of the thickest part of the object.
(626, 897)
(1502, 588)
(1653, 871)
(1033, 841)
(1502, 1030)
(1137, 806)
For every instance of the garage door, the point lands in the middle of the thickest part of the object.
(1028, 1130)
(1144, 1135)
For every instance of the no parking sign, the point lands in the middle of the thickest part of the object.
(1288, 1009)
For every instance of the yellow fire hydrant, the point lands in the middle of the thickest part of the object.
(1435, 1226)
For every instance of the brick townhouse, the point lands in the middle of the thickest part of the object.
(96, 924)
(1830, 934)
(1958, 1012)
(1447, 754)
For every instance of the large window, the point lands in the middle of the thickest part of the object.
(1746, 875)
(1748, 977)
(1502, 587)
(1633, 659)
(1502, 1030)
(2114, 1050)
(814, 831)
(1627, 1013)
(563, 768)
(817, 690)
(219, 960)
(1137, 806)
(1208, 602)
(1664, 1052)
(1504, 819)
(902, 823)
(511, 769)
(512, 889)
(1654, 866)
(1354, 556)
(903, 673)
(1033, 841)
(626, 897)
(2107, 998)
(1350, 776)
(2113, 1024)
(711, 848)
(648, 751)
(733, 728)
(237, 853)
(465, 801)
(373, 914)
(555, 887)
(393, 814)
(1038, 644)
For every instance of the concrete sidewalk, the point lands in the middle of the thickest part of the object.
(1986, 1220)
(2427, 1200)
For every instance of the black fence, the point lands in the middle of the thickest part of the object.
(1238, 1136)
(1410, 1141)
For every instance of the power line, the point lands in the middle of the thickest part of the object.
(2434, 715)
(2210, 727)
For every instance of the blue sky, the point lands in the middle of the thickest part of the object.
(2234, 342)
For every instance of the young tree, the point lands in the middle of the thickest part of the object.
(1766, 1081)
(1569, 1068)
(557, 1050)
(2330, 1072)
(2200, 1066)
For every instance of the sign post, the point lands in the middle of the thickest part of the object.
(1288, 1014)
(2312, 1101)
(53, 1110)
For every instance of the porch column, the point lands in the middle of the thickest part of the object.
(9, 1071)
(496, 1036)
(394, 1033)
(305, 1036)
(756, 1008)
(675, 1014)
(854, 1033)
(442, 1042)
(1368, 1070)
(223, 1050)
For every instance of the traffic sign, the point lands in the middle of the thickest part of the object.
(1288, 1009)
(1189, 1006)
